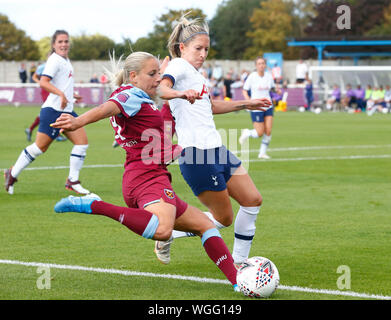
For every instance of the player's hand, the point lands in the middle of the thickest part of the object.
(64, 101)
(190, 95)
(78, 97)
(66, 122)
(164, 64)
(259, 104)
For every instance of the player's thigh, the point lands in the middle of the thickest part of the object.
(219, 204)
(268, 124)
(77, 137)
(259, 127)
(43, 141)
(193, 220)
(242, 188)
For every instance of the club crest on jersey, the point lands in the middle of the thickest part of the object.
(122, 97)
(169, 194)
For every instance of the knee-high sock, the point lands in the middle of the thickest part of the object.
(182, 234)
(76, 161)
(218, 252)
(140, 221)
(265, 143)
(27, 156)
(244, 232)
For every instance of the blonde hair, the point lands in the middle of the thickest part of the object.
(184, 31)
(120, 70)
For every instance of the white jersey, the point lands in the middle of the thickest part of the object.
(194, 123)
(60, 71)
(259, 86)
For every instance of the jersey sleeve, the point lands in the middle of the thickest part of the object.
(40, 69)
(51, 67)
(129, 101)
(174, 70)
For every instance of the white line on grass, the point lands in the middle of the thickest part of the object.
(380, 156)
(319, 148)
(189, 278)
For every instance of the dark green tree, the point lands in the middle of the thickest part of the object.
(365, 15)
(229, 26)
(15, 44)
(87, 47)
(156, 41)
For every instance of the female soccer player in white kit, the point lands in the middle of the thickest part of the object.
(57, 79)
(259, 83)
(213, 172)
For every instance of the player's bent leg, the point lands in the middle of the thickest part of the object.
(195, 221)
(219, 205)
(243, 190)
(76, 204)
(78, 136)
(76, 160)
(143, 222)
(259, 128)
(28, 155)
(166, 215)
(43, 141)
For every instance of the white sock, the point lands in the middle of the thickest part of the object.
(76, 161)
(182, 234)
(244, 232)
(253, 133)
(27, 156)
(265, 143)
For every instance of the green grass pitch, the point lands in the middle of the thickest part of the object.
(324, 222)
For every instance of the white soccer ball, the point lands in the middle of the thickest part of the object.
(318, 110)
(301, 109)
(258, 277)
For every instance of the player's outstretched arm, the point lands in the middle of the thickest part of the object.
(70, 123)
(166, 92)
(223, 106)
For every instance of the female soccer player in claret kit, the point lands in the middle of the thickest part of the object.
(213, 172)
(154, 209)
(57, 79)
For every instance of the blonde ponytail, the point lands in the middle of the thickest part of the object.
(120, 70)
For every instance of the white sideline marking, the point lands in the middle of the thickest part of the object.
(190, 278)
(318, 148)
(259, 160)
(380, 156)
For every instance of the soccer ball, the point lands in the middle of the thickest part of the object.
(318, 110)
(257, 277)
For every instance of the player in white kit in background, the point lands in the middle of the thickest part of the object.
(57, 79)
(259, 83)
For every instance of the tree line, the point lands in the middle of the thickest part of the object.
(239, 30)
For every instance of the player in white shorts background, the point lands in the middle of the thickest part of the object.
(259, 83)
(57, 79)
(213, 173)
